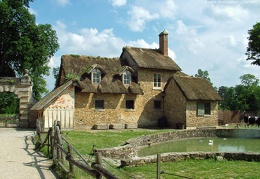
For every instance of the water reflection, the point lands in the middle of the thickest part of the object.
(203, 145)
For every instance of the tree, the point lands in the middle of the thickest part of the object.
(204, 74)
(24, 44)
(253, 49)
(245, 96)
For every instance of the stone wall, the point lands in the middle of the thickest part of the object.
(173, 157)
(175, 114)
(193, 120)
(115, 112)
(128, 154)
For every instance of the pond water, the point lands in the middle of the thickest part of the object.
(203, 145)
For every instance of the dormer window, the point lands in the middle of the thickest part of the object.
(127, 77)
(96, 76)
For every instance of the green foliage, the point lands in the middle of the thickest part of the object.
(71, 76)
(55, 73)
(9, 103)
(245, 96)
(25, 44)
(253, 49)
(203, 74)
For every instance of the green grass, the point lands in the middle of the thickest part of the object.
(84, 141)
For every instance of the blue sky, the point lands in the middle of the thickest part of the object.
(203, 34)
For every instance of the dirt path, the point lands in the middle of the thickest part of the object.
(18, 159)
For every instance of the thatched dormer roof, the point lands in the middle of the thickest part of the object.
(80, 67)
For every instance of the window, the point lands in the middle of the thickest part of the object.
(203, 108)
(157, 81)
(157, 104)
(96, 76)
(129, 104)
(99, 104)
(126, 77)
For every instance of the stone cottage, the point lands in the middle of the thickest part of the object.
(141, 88)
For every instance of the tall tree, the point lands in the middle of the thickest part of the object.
(253, 49)
(203, 74)
(24, 44)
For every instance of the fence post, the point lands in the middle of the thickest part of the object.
(99, 161)
(71, 157)
(158, 166)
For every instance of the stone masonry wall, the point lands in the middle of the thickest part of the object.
(175, 113)
(193, 120)
(115, 112)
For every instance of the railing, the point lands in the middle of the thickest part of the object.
(8, 121)
(61, 150)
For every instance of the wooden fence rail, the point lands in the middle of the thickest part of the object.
(59, 153)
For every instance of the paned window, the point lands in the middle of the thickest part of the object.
(96, 76)
(204, 108)
(129, 104)
(127, 78)
(99, 104)
(157, 81)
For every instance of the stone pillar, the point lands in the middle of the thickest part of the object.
(25, 94)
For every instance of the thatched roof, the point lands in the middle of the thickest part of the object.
(195, 88)
(81, 66)
(54, 94)
(151, 58)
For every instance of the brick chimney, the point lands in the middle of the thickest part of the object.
(163, 42)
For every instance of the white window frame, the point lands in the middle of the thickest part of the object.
(127, 77)
(96, 76)
(157, 81)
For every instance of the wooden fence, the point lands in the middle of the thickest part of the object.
(227, 117)
(61, 150)
(9, 121)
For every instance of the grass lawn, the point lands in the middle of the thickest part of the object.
(84, 141)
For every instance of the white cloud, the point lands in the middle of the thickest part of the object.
(33, 11)
(63, 2)
(118, 2)
(167, 9)
(233, 14)
(138, 17)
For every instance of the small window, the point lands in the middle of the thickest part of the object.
(127, 78)
(204, 108)
(99, 104)
(157, 81)
(157, 104)
(96, 76)
(129, 104)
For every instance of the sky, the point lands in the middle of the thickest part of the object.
(203, 34)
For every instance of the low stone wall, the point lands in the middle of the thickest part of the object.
(173, 157)
(128, 154)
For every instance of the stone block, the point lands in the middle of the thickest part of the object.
(116, 126)
(131, 126)
(101, 126)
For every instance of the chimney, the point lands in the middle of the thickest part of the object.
(163, 42)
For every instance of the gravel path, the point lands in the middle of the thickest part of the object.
(19, 160)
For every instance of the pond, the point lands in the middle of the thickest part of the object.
(203, 145)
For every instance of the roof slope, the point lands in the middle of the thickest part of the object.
(151, 58)
(195, 88)
(46, 100)
(81, 66)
